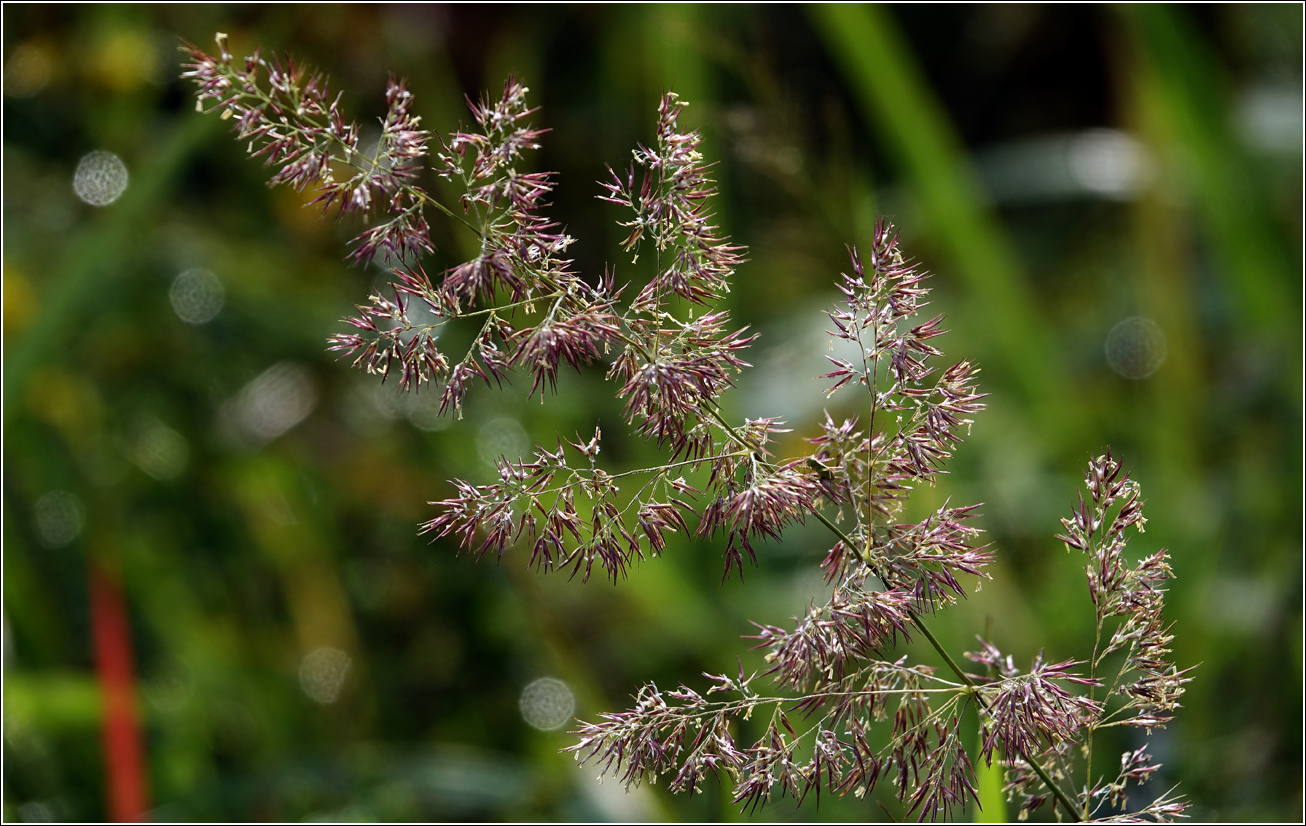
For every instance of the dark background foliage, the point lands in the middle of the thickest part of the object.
(132, 449)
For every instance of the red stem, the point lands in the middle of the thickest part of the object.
(124, 754)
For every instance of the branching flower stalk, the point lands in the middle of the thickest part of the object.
(673, 351)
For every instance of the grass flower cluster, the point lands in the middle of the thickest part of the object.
(849, 710)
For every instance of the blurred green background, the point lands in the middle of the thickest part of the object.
(175, 433)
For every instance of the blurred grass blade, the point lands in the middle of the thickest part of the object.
(1187, 85)
(895, 99)
(992, 802)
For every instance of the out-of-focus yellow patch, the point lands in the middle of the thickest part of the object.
(65, 400)
(122, 60)
(28, 69)
(294, 211)
(19, 301)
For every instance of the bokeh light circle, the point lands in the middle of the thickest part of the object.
(425, 413)
(502, 437)
(547, 704)
(59, 516)
(100, 179)
(27, 71)
(420, 407)
(197, 296)
(322, 674)
(1136, 348)
(159, 450)
(280, 398)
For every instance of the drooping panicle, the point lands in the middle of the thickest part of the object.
(521, 307)
(288, 117)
